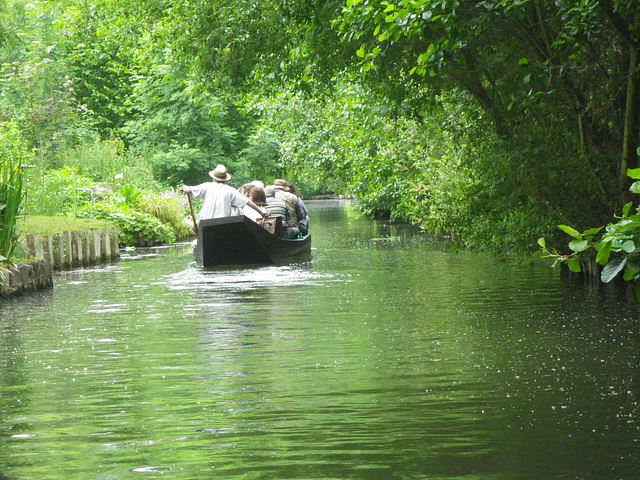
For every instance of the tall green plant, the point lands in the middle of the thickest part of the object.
(12, 156)
(11, 196)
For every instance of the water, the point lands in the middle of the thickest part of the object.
(386, 357)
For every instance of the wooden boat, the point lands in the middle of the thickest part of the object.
(239, 240)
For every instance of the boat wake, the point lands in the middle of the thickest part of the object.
(246, 279)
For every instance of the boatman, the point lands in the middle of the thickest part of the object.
(218, 197)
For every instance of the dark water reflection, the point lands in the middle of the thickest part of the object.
(386, 357)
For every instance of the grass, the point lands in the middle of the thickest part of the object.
(40, 225)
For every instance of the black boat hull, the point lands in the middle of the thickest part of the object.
(240, 241)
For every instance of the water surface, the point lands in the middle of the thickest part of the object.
(386, 357)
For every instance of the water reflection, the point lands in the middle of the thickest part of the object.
(384, 357)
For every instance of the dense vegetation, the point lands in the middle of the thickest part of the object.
(488, 121)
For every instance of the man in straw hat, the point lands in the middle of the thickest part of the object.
(218, 197)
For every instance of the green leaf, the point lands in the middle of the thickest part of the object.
(633, 262)
(629, 246)
(542, 242)
(635, 187)
(360, 52)
(626, 209)
(603, 254)
(523, 62)
(574, 265)
(578, 245)
(634, 173)
(570, 231)
(629, 274)
(612, 269)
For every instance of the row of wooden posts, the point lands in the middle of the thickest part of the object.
(61, 251)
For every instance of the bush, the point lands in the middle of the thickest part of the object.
(134, 228)
(166, 209)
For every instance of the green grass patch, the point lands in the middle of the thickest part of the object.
(41, 225)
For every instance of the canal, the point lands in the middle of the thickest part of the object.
(386, 357)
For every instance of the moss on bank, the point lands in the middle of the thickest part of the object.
(40, 225)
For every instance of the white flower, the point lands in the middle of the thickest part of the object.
(119, 176)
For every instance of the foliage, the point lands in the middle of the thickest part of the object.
(134, 228)
(129, 195)
(167, 209)
(12, 156)
(54, 192)
(98, 58)
(35, 89)
(616, 249)
(487, 121)
(182, 134)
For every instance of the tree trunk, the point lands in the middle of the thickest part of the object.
(631, 122)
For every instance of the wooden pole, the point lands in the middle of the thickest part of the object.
(195, 225)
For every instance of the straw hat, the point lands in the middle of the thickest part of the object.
(280, 184)
(220, 174)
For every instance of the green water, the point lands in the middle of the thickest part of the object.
(386, 357)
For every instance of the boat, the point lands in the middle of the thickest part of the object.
(238, 240)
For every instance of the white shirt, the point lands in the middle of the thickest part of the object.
(218, 199)
(251, 213)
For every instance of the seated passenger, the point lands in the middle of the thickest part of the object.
(303, 214)
(289, 199)
(277, 208)
(257, 197)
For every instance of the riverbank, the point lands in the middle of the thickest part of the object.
(74, 245)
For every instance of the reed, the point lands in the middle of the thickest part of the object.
(11, 196)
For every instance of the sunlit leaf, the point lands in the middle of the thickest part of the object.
(634, 173)
(542, 242)
(635, 188)
(568, 230)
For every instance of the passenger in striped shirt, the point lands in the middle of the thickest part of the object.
(277, 208)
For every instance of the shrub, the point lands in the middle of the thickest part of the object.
(134, 228)
(166, 209)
